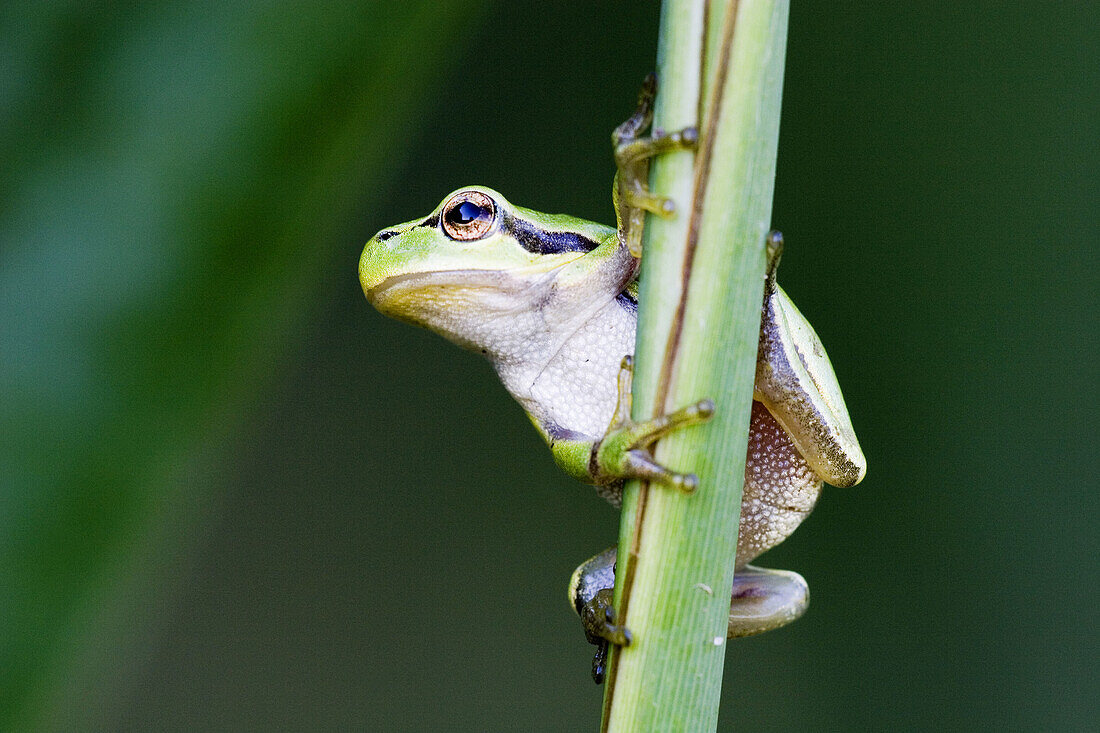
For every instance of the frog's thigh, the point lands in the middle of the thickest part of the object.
(765, 599)
(780, 487)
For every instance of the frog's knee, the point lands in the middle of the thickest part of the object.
(774, 251)
(595, 574)
(764, 599)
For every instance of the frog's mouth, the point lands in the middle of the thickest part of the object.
(401, 287)
(443, 299)
(376, 294)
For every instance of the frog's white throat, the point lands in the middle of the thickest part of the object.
(565, 376)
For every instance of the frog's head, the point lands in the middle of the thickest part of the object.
(474, 259)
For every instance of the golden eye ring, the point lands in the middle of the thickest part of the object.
(468, 215)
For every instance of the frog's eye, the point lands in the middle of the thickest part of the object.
(468, 215)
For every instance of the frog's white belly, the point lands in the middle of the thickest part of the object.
(571, 385)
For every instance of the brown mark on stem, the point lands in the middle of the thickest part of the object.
(672, 346)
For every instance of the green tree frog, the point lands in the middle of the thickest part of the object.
(551, 301)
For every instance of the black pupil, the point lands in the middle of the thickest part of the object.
(465, 213)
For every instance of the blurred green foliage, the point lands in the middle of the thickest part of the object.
(174, 178)
(233, 497)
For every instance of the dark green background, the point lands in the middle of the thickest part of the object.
(235, 498)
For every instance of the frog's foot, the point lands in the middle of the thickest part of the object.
(623, 452)
(631, 157)
(590, 591)
(630, 151)
(598, 619)
(632, 154)
(764, 599)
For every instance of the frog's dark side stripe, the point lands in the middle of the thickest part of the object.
(540, 241)
(557, 432)
(534, 239)
(627, 301)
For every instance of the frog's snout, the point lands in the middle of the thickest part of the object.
(370, 272)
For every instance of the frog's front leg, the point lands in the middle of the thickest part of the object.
(631, 193)
(761, 600)
(623, 450)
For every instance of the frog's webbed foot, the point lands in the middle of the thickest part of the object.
(623, 452)
(764, 599)
(632, 154)
(600, 629)
(590, 592)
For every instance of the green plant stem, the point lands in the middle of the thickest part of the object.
(721, 66)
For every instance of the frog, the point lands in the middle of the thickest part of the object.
(551, 301)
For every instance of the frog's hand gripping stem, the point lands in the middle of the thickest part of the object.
(631, 194)
(623, 451)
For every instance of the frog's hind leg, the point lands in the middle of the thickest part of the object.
(764, 599)
(795, 381)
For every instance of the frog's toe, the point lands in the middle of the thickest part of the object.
(598, 619)
(629, 152)
(774, 244)
(642, 434)
(641, 199)
(639, 464)
(599, 662)
(764, 599)
(623, 453)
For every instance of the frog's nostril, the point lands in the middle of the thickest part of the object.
(383, 236)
